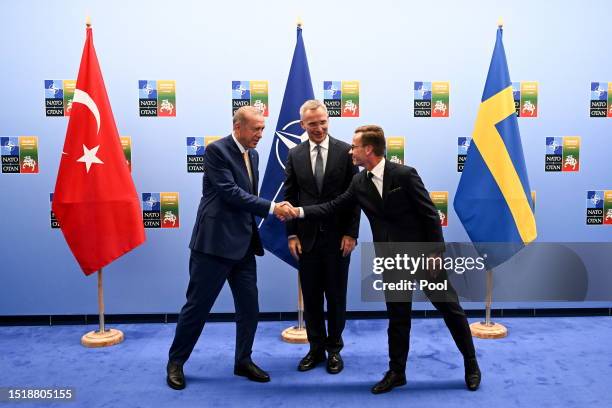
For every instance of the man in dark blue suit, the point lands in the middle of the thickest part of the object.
(223, 246)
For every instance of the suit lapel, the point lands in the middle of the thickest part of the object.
(242, 166)
(252, 160)
(387, 178)
(332, 157)
(304, 158)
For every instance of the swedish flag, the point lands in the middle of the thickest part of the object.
(493, 199)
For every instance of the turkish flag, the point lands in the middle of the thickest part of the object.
(95, 200)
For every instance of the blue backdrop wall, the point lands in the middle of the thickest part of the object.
(386, 45)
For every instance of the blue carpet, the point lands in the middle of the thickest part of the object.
(545, 362)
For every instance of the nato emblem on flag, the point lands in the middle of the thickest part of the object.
(288, 134)
(493, 199)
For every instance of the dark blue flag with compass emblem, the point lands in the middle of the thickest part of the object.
(288, 134)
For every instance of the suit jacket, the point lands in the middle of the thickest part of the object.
(301, 190)
(405, 213)
(225, 224)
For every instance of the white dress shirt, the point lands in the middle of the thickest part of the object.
(324, 150)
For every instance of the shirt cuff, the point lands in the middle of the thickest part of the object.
(272, 206)
(291, 236)
(301, 212)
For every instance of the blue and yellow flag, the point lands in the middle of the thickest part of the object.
(493, 199)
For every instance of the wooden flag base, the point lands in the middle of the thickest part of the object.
(295, 335)
(491, 330)
(108, 338)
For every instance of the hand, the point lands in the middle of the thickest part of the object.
(295, 247)
(284, 211)
(347, 245)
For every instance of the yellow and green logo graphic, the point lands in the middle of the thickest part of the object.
(599, 207)
(395, 149)
(601, 100)
(157, 98)
(431, 99)
(341, 98)
(562, 154)
(250, 93)
(59, 94)
(440, 200)
(525, 95)
(160, 210)
(126, 145)
(19, 154)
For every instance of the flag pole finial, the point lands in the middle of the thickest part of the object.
(88, 21)
(500, 23)
(300, 23)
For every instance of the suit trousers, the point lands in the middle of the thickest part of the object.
(447, 303)
(208, 274)
(323, 275)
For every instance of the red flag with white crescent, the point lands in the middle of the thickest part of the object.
(95, 200)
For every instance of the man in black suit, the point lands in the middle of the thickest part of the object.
(223, 246)
(399, 210)
(319, 170)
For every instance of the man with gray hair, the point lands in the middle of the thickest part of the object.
(223, 246)
(317, 171)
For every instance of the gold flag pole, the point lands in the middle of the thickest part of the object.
(101, 337)
(297, 334)
(488, 329)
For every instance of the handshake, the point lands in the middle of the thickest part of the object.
(284, 211)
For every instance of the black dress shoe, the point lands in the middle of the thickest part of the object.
(174, 376)
(311, 360)
(391, 380)
(472, 374)
(334, 363)
(252, 372)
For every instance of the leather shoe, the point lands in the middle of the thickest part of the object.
(252, 372)
(472, 374)
(391, 380)
(174, 376)
(311, 360)
(334, 363)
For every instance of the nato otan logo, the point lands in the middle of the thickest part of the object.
(601, 100)
(525, 95)
(196, 146)
(431, 99)
(58, 97)
(54, 222)
(341, 98)
(250, 93)
(562, 154)
(599, 207)
(463, 144)
(157, 98)
(19, 154)
(160, 210)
